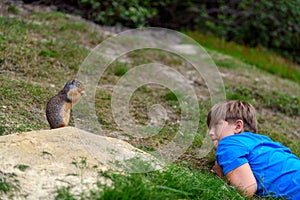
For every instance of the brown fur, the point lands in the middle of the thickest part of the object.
(59, 107)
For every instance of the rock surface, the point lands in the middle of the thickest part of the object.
(38, 163)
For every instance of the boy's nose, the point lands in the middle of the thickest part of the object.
(211, 133)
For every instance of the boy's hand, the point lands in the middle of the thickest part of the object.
(218, 170)
(215, 142)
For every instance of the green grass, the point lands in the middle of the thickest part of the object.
(22, 167)
(13, 9)
(145, 56)
(22, 106)
(9, 184)
(46, 49)
(174, 96)
(120, 68)
(43, 51)
(64, 194)
(176, 182)
(260, 57)
(273, 100)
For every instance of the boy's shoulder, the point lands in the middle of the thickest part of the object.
(248, 141)
(246, 136)
(245, 139)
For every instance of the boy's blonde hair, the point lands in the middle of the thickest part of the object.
(233, 110)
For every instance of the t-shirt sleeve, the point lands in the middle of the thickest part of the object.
(231, 154)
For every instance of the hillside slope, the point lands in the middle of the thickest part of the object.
(41, 50)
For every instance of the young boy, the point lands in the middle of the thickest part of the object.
(252, 162)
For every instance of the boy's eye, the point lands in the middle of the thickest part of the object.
(219, 123)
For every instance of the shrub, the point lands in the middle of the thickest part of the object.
(129, 13)
(272, 24)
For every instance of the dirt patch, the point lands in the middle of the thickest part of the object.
(44, 161)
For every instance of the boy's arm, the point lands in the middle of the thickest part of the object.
(218, 170)
(243, 178)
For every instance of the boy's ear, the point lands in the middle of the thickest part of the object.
(239, 126)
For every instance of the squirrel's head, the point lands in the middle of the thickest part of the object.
(74, 90)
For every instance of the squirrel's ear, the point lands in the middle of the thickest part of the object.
(68, 82)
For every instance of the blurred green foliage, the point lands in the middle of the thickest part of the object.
(131, 13)
(270, 23)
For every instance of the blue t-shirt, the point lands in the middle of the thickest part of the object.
(276, 169)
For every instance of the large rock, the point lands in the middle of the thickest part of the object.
(38, 163)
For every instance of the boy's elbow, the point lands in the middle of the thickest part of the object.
(242, 177)
(250, 190)
(247, 190)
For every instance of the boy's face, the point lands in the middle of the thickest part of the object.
(221, 129)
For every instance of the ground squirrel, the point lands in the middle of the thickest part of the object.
(59, 107)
